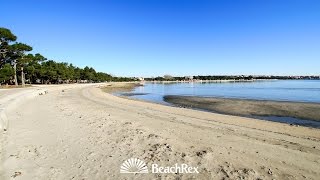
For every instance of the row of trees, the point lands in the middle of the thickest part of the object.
(18, 65)
(240, 77)
(187, 78)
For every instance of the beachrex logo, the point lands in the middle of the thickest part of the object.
(135, 165)
(177, 168)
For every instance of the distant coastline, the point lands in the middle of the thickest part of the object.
(226, 78)
(210, 81)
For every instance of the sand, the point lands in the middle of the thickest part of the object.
(85, 133)
(243, 107)
(120, 87)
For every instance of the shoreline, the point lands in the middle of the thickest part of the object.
(118, 87)
(288, 112)
(293, 121)
(303, 111)
(296, 114)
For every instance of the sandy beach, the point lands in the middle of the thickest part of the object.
(81, 132)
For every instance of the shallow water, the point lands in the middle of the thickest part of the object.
(291, 120)
(276, 90)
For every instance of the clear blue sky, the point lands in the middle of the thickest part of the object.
(177, 37)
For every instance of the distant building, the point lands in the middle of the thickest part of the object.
(141, 78)
(188, 78)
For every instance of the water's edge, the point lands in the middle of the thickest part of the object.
(188, 102)
(292, 102)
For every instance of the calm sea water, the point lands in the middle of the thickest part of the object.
(279, 90)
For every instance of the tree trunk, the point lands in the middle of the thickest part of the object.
(22, 78)
(15, 73)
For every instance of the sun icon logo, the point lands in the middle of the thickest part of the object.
(133, 165)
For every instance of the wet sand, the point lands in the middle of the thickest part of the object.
(243, 107)
(116, 87)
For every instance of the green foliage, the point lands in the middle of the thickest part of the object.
(6, 37)
(38, 69)
(17, 52)
(6, 72)
(55, 72)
